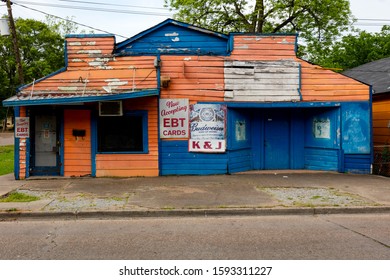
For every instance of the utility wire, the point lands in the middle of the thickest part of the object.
(70, 20)
(113, 4)
(92, 8)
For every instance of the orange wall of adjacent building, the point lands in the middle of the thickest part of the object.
(123, 165)
(381, 121)
(77, 150)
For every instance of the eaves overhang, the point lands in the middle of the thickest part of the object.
(31, 100)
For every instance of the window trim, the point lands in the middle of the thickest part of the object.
(145, 135)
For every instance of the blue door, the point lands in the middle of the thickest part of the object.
(276, 142)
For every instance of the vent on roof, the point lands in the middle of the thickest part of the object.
(110, 108)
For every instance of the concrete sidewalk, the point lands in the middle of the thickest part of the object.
(249, 193)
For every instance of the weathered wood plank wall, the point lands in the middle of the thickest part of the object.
(262, 81)
(317, 83)
(199, 78)
(93, 69)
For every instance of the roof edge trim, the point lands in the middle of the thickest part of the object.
(71, 100)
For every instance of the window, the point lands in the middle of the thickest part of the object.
(124, 134)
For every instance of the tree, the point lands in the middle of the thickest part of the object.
(42, 52)
(318, 22)
(358, 48)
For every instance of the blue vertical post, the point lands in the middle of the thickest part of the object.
(16, 148)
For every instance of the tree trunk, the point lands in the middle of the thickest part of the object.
(258, 17)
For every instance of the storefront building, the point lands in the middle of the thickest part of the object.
(177, 99)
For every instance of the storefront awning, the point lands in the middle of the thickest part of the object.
(64, 99)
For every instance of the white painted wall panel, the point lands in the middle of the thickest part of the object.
(262, 81)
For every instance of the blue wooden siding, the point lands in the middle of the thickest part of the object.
(356, 128)
(306, 149)
(321, 159)
(240, 141)
(171, 38)
(240, 160)
(176, 160)
(357, 163)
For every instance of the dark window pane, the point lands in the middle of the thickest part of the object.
(120, 134)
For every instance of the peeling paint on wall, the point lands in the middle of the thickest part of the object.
(113, 84)
(68, 88)
(242, 47)
(174, 34)
(89, 52)
(116, 82)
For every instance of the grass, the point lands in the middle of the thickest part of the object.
(18, 197)
(6, 159)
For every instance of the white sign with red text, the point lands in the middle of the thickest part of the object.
(22, 127)
(207, 128)
(174, 118)
(207, 146)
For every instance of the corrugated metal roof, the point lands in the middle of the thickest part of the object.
(92, 73)
(56, 99)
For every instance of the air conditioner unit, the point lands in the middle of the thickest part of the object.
(110, 108)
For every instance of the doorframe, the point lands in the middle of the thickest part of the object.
(30, 144)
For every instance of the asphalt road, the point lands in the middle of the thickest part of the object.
(269, 237)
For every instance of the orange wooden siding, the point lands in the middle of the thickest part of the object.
(381, 121)
(252, 47)
(77, 150)
(22, 149)
(93, 69)
(123, 165)
(199, 78)
(317, 83)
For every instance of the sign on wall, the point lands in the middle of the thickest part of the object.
(207, 128)
(174, 118)
(22, 127)
(321, 128)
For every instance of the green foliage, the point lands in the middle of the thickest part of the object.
(6, 159)
(42, 52)
(18, 197)
(356, 49)
(318, 22)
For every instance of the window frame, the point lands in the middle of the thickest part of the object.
(145, 137)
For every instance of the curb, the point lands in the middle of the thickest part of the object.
(107, 215)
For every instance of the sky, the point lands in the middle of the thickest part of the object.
(128, 18)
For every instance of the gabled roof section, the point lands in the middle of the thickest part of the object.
(376, 74)
(175, 37)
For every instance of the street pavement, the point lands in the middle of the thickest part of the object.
(249, 193)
